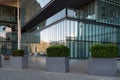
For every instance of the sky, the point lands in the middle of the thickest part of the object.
(43, 2)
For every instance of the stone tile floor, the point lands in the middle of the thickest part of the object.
(37, 71)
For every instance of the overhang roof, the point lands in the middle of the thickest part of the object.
(50, 9)
(9, 2)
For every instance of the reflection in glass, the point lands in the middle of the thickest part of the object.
(79, 28)
(42, 3)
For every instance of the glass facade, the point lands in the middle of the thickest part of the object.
(92, 23)
(28, 11)
(8, 29)
(108, 11)
(79, 36)
(54, 18)
(8, 13)
(29, 38)
(104, 11)
(84, 12)
(33, 37)
(8, 40)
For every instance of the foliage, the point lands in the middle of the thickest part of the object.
(18, 53)
(58, 51)
(104, 51)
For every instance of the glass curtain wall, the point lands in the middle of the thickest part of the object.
(72, 28)
(32, 36)
(79, 36)
(84, 12)
(60, 15)
(28, 8)
(104, 11)
(8, 13)
(29, 38)
(8, 29)
(108, 11)
(8, 40)
(27, 11)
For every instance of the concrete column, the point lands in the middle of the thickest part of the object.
(18, 24)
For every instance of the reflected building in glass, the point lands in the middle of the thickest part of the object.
(8, 29)
(77, 24)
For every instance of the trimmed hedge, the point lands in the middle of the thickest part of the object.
(104, 51)
(58, 51)
(18, 53)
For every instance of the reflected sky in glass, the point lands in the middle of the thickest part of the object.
(43, 2)
(2, 32)
(1, 28)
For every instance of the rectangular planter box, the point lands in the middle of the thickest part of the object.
(103, 66)
(57, 64)
(19, 62)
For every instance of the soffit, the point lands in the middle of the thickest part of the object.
(9, 2)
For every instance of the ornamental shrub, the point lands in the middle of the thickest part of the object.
(18, 53)
(104, 51)
(58, 51)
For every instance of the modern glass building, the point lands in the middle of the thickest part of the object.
(77, 24)
(8, 29)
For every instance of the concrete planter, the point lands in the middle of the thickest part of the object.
(19, 62)
(57, 64)
(103, 66)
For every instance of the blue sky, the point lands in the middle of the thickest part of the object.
(43, 2)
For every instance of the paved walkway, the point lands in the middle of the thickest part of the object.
(37, 71)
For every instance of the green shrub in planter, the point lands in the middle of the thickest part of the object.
(104, 51)
(18, 53)
(58, 51)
